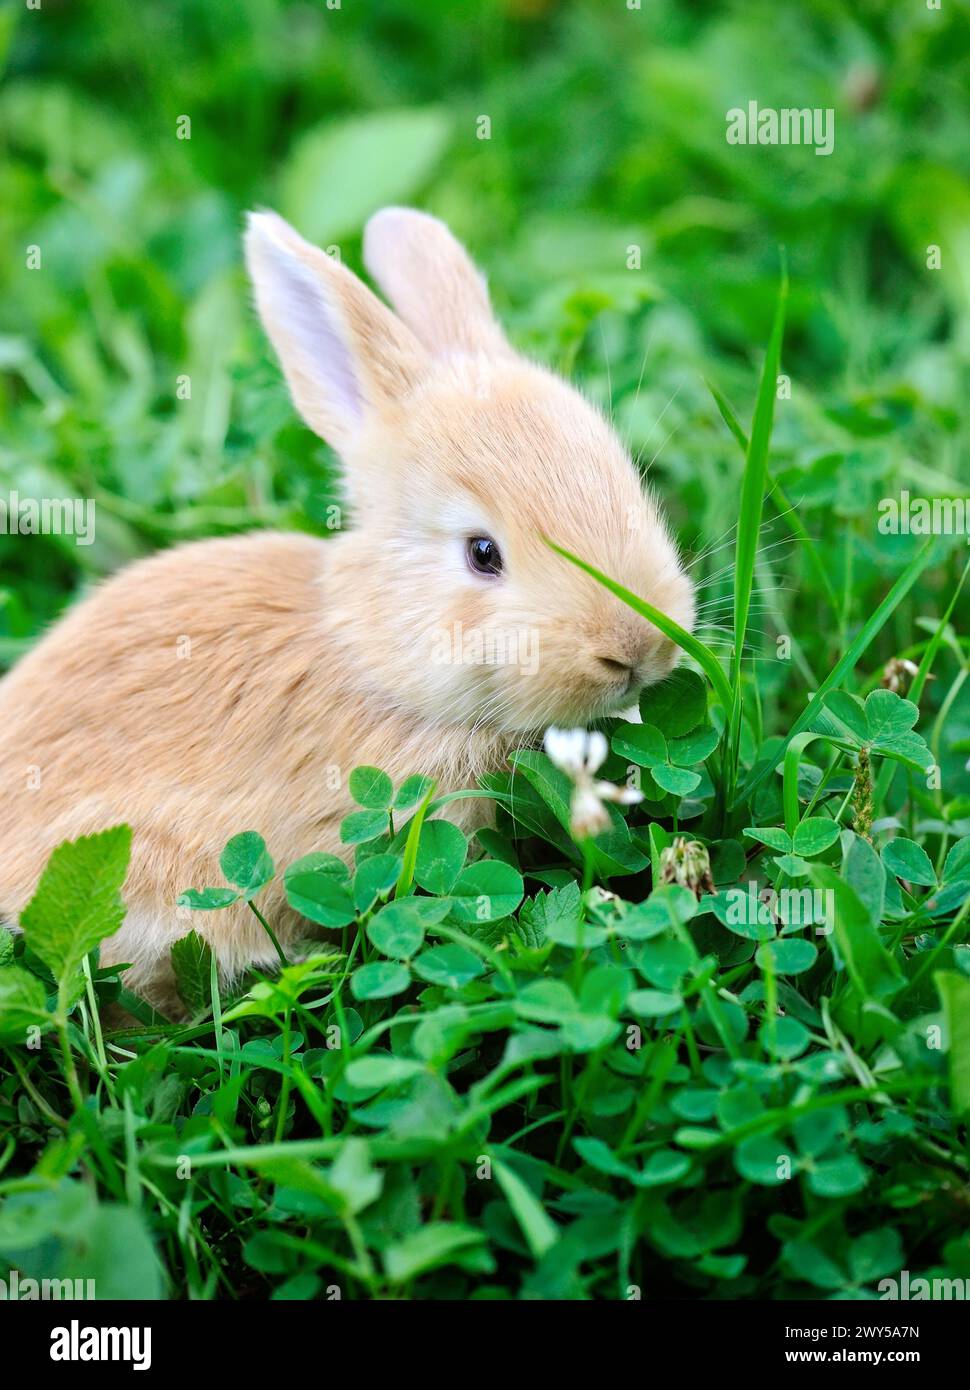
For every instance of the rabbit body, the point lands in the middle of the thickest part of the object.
(233, 684)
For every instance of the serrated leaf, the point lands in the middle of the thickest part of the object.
(23, 1004)
(191, 964)
(78, 900)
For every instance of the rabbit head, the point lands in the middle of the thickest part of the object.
(460, 457)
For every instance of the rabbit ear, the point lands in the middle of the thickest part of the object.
(431, 281)
(345, 355)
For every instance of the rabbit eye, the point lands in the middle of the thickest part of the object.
(483, 555)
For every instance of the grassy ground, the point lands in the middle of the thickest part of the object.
(655, 1093)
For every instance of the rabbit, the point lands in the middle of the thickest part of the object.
(233, 683)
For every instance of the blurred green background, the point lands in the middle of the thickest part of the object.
(607, 132)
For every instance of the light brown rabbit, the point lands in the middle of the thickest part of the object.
(233, 684)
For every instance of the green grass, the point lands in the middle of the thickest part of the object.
(498, 1080)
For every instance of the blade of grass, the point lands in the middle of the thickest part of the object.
(753, 483)
(785, 507)
(751, 508)
(687, 642)
(406, 878)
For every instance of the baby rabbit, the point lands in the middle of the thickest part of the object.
(233, 684)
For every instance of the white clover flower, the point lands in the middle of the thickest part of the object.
(576, 751)
(580, 754)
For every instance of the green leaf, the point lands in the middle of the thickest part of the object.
(352, 1177)
(675, 779)
(246, 863)
(871, 968)
(954, 991)
(361, 826)
(435, 1244)
(340, 172)
(863, 871)
(78, 900)
(555, 915)
(875, 1255)
(654, 1003)
(317, 887)
(192, 966)
(957, 865)
(889, 715)
(867, 634)
(207, 899)
(814, 835)
(379, 980)
(412, 790)
(675, 706)
(552, 785)
(806, 1261)
(441, 854)
(116, 1252)
(451, 965)
(540, 1232)
(837, 1177)
(398, 928)
(761, 1159)
(908, 860)
(850, 710)
(693, 747)
(486, 890)
(770, 836)
(374, 1073)
(790, 1037)
(23, 1004)
(371, 788)
(375, 877)
(789, 956)
(642, 744)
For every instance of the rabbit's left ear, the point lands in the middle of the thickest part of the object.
(431, 282)
(346, 357)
